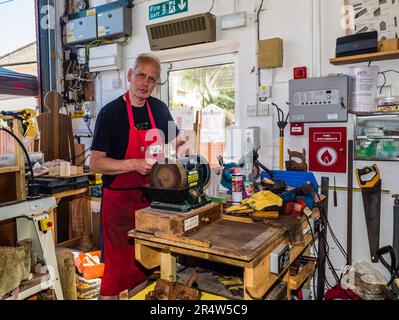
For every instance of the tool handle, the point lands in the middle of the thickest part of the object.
(384, 250)
(369, 182)
(335, 199)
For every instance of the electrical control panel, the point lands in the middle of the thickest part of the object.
(82, 29)
(113, 23)
(280, 258)
(105, 58)
(324, 99)
(110, 20)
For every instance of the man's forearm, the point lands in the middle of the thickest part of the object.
(112, 167)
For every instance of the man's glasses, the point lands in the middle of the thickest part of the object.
(143, 76)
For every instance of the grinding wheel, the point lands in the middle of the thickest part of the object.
(171, 175)
(203, 168)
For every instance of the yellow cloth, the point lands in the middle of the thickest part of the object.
(258, 202)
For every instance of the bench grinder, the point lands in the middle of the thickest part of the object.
(178, 184)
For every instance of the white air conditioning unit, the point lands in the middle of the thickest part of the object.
(105, 58)
(200, 28)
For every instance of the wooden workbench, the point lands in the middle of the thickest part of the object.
(244, 245)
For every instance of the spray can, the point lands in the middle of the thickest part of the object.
(248, 189)
(236, 185)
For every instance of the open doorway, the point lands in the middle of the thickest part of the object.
(18, 60)
(18, 50)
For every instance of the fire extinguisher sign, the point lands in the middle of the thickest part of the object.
(327, 149)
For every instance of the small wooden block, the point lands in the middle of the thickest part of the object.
(54, 171)
(148, 257)
(73, 170)
(151, 220)
(266, 215)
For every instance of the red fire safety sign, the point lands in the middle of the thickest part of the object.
(327, 149)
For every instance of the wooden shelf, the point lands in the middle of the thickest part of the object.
(377, 56)
(69, 193)
(302, 276)
(375, 113)
(28, 288)
(9, 169)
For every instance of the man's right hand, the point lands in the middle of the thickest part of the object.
(141, 166)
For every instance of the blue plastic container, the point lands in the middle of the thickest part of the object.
(293, 179)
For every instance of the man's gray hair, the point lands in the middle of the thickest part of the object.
(149, 58)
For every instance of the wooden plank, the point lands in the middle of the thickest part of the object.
(259, 240)
(192, 253)
(256, 280)
(227, 238)
(20, 175)
(168, 266)
(230, 237)
(69, 193)
(378, 56)
(71, 176)
(9, 169)
(239, 219)
(72, 243)
(147, 256)
(185, 240)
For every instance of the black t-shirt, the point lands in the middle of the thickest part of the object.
(111, 134)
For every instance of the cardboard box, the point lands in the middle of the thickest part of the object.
(271, 53)
(93, 271)
(54, 171)
(73, 170)
(388, 45)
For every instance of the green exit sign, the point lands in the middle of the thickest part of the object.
(167, 8)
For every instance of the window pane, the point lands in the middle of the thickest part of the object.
(198, 88)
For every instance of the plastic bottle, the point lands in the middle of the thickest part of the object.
(248, 188)
(236, 185)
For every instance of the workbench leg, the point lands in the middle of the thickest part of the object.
(168, 266)
(256, 280)
(286, 278)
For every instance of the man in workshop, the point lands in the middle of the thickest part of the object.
(129, 137)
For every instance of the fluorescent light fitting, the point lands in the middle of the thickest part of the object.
(232, 21)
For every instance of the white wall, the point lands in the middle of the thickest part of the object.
(296, 22)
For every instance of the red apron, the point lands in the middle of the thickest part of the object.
(119, 203)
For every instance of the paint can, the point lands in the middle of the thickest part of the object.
(236, 185)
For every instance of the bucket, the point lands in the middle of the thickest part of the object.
(364, 91)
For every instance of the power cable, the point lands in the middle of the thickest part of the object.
(213, 3)
(385, 78)
(6, 1)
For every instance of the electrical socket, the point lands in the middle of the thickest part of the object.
(264, 92)
(252, 111)
(116, 83)
(263, 109)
